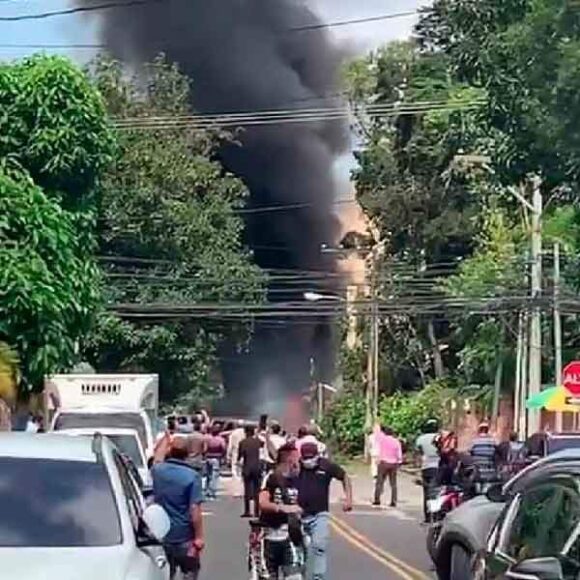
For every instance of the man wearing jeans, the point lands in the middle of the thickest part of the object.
(177, 488)
(390, 456)
(313, 497)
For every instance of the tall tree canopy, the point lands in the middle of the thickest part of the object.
(54, 142)
(170, 232)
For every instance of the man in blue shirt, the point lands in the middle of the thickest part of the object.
(177, 488)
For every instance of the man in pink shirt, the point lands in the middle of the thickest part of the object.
(390, 457)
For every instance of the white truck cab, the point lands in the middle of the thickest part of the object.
(104, 401)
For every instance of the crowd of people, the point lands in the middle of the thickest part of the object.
(286, 492)
(485, 460)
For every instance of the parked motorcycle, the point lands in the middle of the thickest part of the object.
(444, 499)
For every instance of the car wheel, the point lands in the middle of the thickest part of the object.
(460, 568)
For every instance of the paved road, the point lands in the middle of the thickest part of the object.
(369, 543)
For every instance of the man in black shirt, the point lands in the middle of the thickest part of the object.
(316, 474)
(281, 541)
(249, 455)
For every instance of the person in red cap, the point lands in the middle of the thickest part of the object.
(314, 480)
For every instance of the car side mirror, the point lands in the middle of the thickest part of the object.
(537, 569)
(495, 493)
(156, 522)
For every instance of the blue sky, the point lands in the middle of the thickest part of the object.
(75, 29)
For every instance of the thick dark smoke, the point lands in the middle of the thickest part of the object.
(242, 55)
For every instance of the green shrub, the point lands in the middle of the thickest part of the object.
(405, 413)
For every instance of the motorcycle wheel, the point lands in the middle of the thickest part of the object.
(432, 537)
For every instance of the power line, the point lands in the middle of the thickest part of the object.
(128, 3)
(201, 123)
(76, 10)
(294, 112)
(349, 22)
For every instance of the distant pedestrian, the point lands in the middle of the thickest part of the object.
(425, 445)
(510, 456)
(484, 453)
(390, 459)
(274, 441)
(235, 438)
(177, 488)
(316, 475)
(249, 454)
(214, 455)
(197, 446)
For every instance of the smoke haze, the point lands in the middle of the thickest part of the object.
(242, 55)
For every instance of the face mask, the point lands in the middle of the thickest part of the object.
(310, 463)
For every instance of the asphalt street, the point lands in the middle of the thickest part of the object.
(369, 543)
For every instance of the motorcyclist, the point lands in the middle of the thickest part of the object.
(282, 543)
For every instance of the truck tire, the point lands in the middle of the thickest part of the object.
(460, 568)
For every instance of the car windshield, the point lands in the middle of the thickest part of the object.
(56, 504)
(128, 445)
(102, 420)
(559, 443)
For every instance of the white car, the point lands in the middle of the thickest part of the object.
(127, 442)
(71, 509)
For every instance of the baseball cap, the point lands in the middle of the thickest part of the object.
(309, 450)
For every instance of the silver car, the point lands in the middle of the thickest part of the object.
(70, 509)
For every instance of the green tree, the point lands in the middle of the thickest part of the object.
(408, 183)
(54, 142)
(170, 209)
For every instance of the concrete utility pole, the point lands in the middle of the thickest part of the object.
(535, 357)
(557, 330)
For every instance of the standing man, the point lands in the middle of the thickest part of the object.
(282, 543)
(484, 452)
(236, 437)
(197, 446)
(249, 453)
(274, 441)
(426, 447)
(214, 454)
(390, 456)
(316, 474)
(177, 488)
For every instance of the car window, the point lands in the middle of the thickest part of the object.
(546, 517)
(129, 445)
(133, 497)
(56, 504)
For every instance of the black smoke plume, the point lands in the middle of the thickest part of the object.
(256, 55)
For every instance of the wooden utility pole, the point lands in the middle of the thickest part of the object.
(535, 356)
(557, 330)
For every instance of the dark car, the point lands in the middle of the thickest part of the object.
(465, 530)
(537, 535)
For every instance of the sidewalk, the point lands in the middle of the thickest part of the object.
(410, 494)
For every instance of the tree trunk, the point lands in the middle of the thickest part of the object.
(437, 359)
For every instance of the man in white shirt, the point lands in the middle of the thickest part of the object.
(425, 445)
(236, 437)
